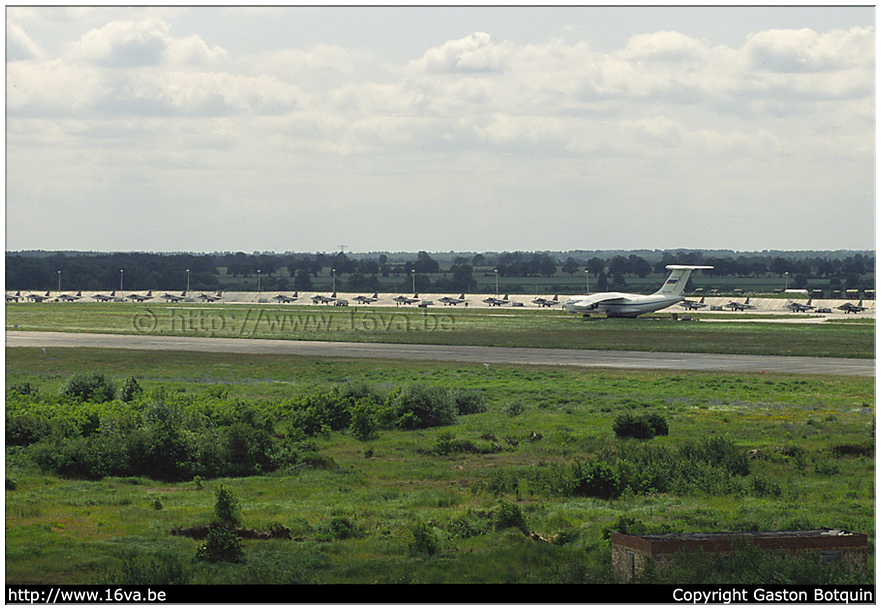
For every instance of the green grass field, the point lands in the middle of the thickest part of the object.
(449, 326)
(417, 506)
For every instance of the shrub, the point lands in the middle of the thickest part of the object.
(425, 539)
(341, 528)
(26, 429)
(624, 525)
(129, 389)
(24, 389)
(321, 414)
(718, 452)
(424, 406)
(472, 523)
(639, 426)
(508, 515)
(364, 424)
(595, 480)
(468, 401)
(222, 544)
(89, 387)
(227, 508)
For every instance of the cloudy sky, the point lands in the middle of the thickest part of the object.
(439, 128)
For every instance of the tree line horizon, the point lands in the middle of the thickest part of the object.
(239, 271)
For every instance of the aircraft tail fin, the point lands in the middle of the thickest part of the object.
(678, 278)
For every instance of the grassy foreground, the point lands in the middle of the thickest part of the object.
(422, 506)
(452, 326)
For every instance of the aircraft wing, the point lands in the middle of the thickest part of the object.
(593, 301)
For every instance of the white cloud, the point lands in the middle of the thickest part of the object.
(458, 124)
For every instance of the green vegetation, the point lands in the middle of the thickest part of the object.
(405, 472)
(830, 273)
(448, 326)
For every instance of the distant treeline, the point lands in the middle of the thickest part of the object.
(447, 272)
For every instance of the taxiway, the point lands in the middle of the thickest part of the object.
(463, 353)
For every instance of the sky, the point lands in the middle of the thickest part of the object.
(441, 128)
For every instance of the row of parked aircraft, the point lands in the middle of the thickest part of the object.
(613, 304)
(39, 298)
(790, 305)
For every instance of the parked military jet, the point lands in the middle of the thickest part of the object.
(140, 297)
(367, 300)
(38, 298)
(452, 301)
(14, 297)
(283, 299)
(209, 298)
(850, 308)
(104, 297)
(402, 300)
(798, 307)
(68, 297)
(736, 306)
(495, 301)
(323, 300)
(174, 298)
(692, 305)
(543, 302)
(624, 305)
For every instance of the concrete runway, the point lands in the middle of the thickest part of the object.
(456, 353)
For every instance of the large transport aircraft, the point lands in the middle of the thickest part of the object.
(626, 305)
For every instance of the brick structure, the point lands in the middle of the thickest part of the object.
(630, 553)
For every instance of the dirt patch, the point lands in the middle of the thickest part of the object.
(199, 532)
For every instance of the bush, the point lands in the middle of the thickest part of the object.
(24, 389)
(129, 389)
(424, 406)
(222, 544)
(364, 425)
(639, 426)
(341, 528)
(26, 429)
(595, 480)
(468, 401)
(227, 508)
(89, 387)
(508, 515)
(718, 452)
(425, 539)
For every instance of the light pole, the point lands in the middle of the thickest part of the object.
(59, 281)
(120, 280)
(587, 280)
(413, 277)
(258, 280)
(188, 280)
(496, 271)
(333, 277)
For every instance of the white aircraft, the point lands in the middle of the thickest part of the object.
(625, 305)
